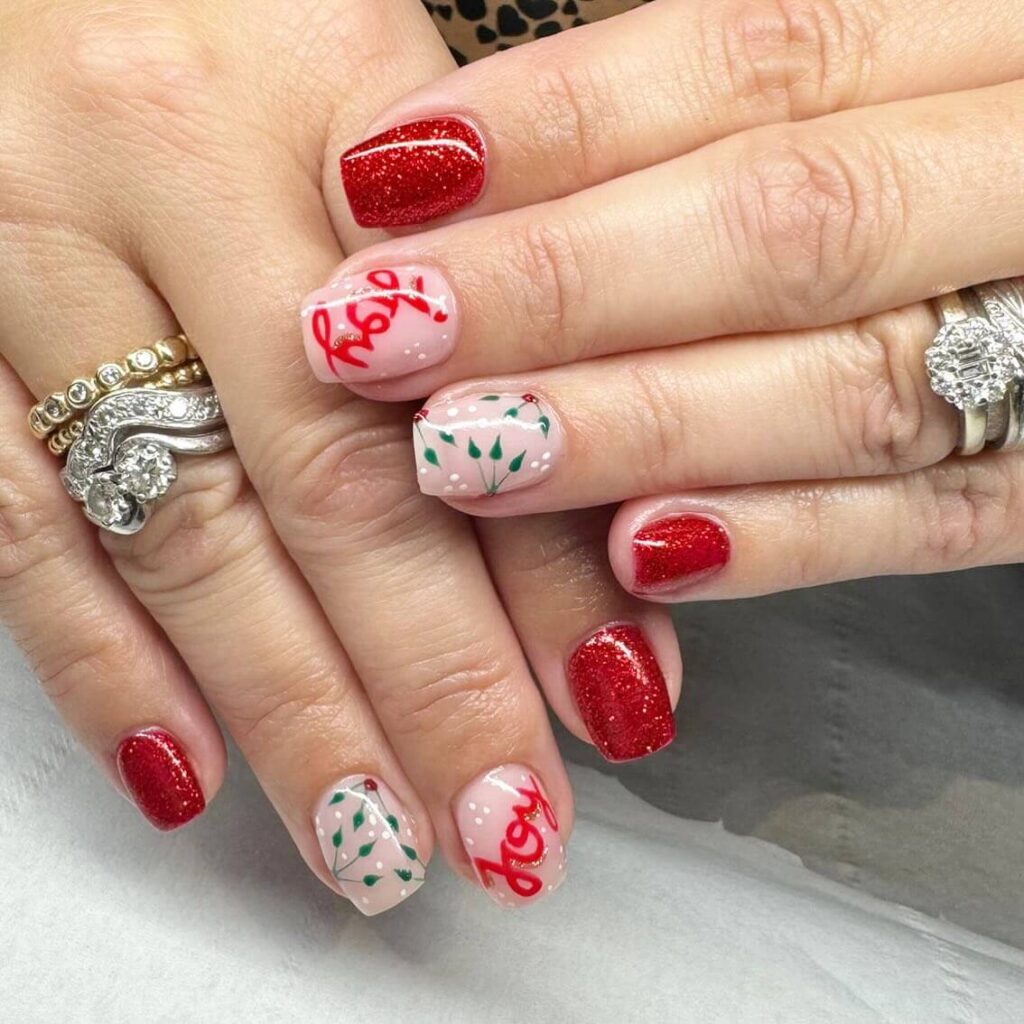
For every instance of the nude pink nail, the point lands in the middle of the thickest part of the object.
(510, 832)
(485, 444)
(370, 843)
(379, 324)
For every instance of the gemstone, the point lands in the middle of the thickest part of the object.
(110, 375)
(178, 409)
(146, 470)
(54, 407)
(80, 393)
(143, 360)
(107, 503)
(971, 363)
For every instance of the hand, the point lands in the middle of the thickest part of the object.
(163, 168)
(688, 172)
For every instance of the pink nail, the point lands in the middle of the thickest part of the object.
(510, 833)
(370, 843)
(382, 323)
(485, 445)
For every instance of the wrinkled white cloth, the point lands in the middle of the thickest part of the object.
(662, 919)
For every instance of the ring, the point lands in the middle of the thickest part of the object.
(975, 365)
(141, 365)
(124, 459)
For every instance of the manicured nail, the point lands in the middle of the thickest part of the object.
(381, 323)
(159, 778)
(414, 172)
(511, 836)
(621, 694)
(370, 843)
(485, 445)
(678, 550)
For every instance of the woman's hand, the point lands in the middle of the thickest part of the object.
(706, 171)
(162, 166)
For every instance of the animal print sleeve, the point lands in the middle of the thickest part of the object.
(475, 28)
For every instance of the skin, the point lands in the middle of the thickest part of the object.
(739, 208)
(155, 174)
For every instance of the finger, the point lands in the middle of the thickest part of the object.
(586, 106)
(116, 681)
(959, 514)
(610, 669)
(782, 228)
(401, 580)
(847, 401)
(210, 570)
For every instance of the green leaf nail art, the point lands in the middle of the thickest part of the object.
(404, 874)
(410, 853)
(357, 819)
(517, 463)
(337, 798)
(513, 412)
(371, 880)
(490, 398)
(367, 848)
(474, 452)
(446, 437)
(336, 839)
(495, 452)
(431, 456)
(545, 424)
(393, 822)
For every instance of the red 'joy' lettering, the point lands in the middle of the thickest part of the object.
(523, 846)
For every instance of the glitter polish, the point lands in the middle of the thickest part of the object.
(157, 774)
(621, 694)
(678, 550)
(414, 172)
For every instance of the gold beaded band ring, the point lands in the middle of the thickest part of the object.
(192, 372)
(138, 367)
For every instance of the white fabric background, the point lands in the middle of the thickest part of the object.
(105, 920)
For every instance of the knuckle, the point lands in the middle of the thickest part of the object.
(88, 668)
(209, 519)
(547, 274)
(292, 702)
(816, 218)
(463, 694)
(795, 58)
(879, 400)
(144, 61)
(353, 470)
(965, 511)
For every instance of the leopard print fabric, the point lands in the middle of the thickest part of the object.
(475, 28)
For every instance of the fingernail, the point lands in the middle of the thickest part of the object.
(485, 444)
(621, 694)
(381, 323)
(157, 774)
(510, 833)
(414, 172)
(676, 550)
(370, 843)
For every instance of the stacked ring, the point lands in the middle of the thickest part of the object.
(976, 363)
(137, 367)
(122, 428)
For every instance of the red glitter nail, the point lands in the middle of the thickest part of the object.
(159, 778)
(621, 693)
(414, 172)
(679, 549)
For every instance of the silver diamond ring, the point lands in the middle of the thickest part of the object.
(124, 459)
(976, 363)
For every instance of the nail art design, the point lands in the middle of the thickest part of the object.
(381, 323)
(414, 172)
(677, 550)
(510, 832)
(621, 694)
(370, 843)
(485, 444)
(159, 778)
